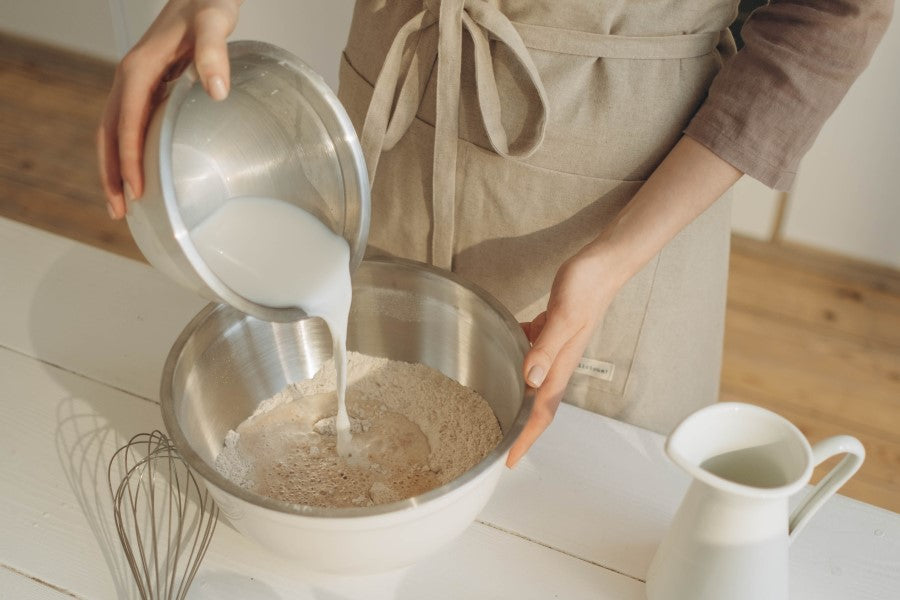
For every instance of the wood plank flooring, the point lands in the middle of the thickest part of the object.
(812, 336)
(816, 338)
(50, 105)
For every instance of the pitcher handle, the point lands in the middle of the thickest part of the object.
(838, 476)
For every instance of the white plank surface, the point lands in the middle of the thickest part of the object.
(596, 487)
(597, 491)
(16, 585)
(58, 432)
(603, 491)
(91, 312)
(849, 550)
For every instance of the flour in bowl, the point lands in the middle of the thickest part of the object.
(414, 429)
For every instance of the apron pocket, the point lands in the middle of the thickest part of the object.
(516, 224)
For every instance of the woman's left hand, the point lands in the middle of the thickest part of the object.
(685, 183)
(581, 293)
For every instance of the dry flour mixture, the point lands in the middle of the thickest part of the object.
(414, 429)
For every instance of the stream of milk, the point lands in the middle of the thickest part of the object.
(276, 254)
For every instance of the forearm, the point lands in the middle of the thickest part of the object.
(685, 184)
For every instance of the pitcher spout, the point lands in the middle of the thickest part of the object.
(742, 449)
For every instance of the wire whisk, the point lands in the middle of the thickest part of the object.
(164, 517)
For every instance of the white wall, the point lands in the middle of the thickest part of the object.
(847, 195)
(846, 198)
(754, 209)
(81, 25)
(314, 30)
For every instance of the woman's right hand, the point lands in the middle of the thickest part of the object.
(185, 30)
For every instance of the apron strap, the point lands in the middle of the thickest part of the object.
(438, 30)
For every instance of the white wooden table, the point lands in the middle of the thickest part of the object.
(83, 337)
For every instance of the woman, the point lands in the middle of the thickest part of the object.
(571, 157)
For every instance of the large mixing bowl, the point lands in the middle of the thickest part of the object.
(225, 363)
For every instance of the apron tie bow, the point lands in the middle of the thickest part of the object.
(439, 29)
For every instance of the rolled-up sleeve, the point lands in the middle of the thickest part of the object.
(769, 102)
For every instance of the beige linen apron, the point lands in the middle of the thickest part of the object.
(502, 137)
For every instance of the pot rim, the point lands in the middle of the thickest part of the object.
(211, 475)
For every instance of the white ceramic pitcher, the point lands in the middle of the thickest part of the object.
(731, 534)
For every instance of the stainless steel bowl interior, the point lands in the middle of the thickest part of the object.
(226, 363)
(281, 133)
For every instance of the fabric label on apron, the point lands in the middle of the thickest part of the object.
(595, 368)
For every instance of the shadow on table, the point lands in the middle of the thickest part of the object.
(214, 584)
(86, 444)
(85, 441)
(68, 331)
(110, 322)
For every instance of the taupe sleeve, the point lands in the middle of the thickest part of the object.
(769, 101)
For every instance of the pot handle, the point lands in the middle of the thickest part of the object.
(838, 476)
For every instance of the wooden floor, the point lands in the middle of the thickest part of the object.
(812, 336)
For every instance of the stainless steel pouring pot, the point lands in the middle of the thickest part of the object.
(281, 133)
(225, 363)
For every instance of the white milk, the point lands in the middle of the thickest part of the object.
(276, 254)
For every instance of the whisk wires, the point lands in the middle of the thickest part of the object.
(164, 519)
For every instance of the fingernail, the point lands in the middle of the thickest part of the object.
(217, 88)
(536, 376)
(110, 210)
(129, 193)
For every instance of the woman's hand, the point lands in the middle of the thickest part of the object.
(185, 30)
(582, 291)
(685, 184)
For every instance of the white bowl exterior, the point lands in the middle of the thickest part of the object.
(359, 545)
